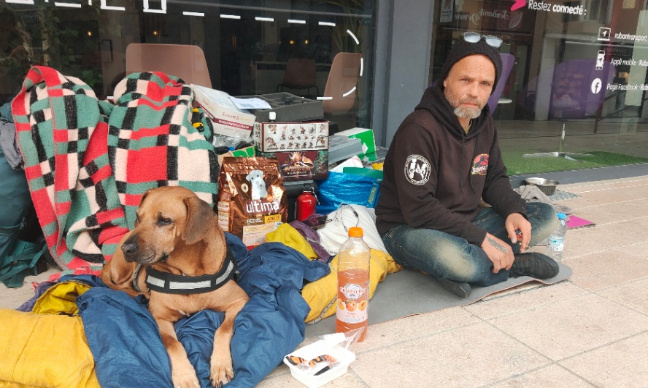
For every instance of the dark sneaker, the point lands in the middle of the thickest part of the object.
(535, 265)
(460, 289)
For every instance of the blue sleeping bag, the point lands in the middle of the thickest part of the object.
(126, 343)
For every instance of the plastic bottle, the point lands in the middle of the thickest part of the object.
(353, 284)
(557, 238)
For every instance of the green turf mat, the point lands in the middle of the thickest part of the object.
(517, 164)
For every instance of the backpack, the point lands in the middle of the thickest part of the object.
(19, 254)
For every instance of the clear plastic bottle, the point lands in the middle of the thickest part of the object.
(557, 238)
(353, 284)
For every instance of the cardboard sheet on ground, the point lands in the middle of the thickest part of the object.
(410, 292)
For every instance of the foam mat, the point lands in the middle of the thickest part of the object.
(411, 292)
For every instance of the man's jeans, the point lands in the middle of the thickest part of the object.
(445, 256)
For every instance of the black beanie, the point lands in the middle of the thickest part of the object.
(463, 49)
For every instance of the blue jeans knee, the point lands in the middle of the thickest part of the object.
(445, 256)
(542, 217)
(441, 255)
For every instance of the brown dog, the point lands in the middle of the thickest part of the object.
(178, 239)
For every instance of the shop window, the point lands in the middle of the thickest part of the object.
(247, 47)
(580, 67)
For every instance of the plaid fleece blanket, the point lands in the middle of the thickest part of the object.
(88, 161)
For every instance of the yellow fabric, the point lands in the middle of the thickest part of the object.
(60, 298)
(44, 351)
(291, 237)
(321, 294)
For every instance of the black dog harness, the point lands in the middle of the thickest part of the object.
(179, 284)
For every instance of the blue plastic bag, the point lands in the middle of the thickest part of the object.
(343, 188)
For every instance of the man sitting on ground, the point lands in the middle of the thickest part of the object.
(443, 160)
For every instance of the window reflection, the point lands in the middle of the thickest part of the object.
(247, 45)
(578, 65)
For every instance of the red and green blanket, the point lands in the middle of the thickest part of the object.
(88, 161)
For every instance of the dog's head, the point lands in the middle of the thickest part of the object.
(254, 175)
(167, 218)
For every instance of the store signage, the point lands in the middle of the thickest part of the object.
(600, 60)
(518, 4)
(618, 56)
(630, 87)
(636, 38)
(604, 34)
(596, 85)
(625, 62)
(558, 8)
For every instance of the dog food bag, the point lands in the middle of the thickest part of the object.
(252, 200)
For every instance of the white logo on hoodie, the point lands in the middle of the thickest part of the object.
(417, 170)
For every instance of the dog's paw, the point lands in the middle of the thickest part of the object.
(185, 379)
(221, 372)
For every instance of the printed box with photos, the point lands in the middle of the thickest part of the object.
(291, 136)
(301, 165)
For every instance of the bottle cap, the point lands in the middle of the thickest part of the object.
(272, 116)
(356, 231)
(561, 216)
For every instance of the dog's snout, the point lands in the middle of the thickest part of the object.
(129, 247)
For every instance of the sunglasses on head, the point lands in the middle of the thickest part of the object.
(474, 37)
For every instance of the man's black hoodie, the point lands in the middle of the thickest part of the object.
(435, 173)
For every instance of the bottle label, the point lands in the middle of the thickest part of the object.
(353, 296)
(352, 291)
(352, 310)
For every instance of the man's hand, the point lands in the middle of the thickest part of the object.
(516, 224)
(499, 252)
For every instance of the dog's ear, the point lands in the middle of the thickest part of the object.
(198, 224)
(143, 197)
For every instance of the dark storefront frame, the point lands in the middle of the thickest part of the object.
(403, 46)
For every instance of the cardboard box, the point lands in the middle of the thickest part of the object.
(227, 119)
(366, 137)
(291, 136)
(301, 165)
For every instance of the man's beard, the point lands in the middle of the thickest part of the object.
(461, 111)
(467, 113)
